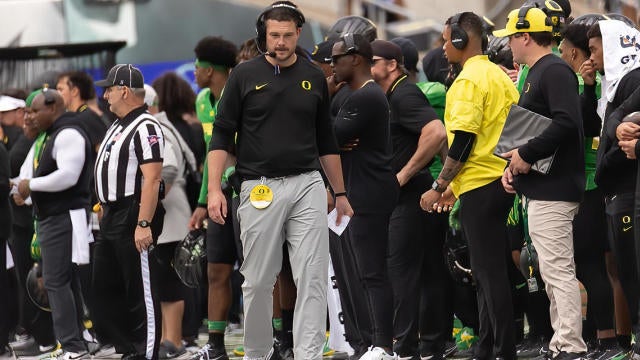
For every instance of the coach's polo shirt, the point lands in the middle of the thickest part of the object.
(478, 102)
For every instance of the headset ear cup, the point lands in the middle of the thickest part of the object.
(459, 37)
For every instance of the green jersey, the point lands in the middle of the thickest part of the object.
(436, 94)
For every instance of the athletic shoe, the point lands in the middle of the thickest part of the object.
(562, 355)
(238, 351)
(191, 345)
(378, 353)
(209, 352)
(169, 351)
(32, 348)
(326, 350)
(103, 351)
(614, 352)
(21, 340)
(531, 347)
(60, 354)
(286, 354)
(6, 353)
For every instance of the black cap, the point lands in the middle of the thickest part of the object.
(409, 52)
(123, 75)
(387, 50)
(322, 52)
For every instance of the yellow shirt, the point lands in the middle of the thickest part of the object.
(478, 102)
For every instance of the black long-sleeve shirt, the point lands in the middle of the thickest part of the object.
(551, 90)
(281, 116)
(615, 174)
(6, 218)
(368, 174)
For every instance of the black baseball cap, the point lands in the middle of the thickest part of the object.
(322, 52)
(387, 50)
(123, 75)
(409, 52)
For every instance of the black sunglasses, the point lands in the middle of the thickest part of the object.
(335, 58)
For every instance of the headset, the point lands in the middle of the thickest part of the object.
(523, 23)
(350, 44)
(261, 28)
(459, 37)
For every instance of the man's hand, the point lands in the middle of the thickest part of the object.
(507, 181)
(333, 86)
(446, 201)
(629, 148)
(217, 206)
(588, 72)
(402, 177)
(513, 74)
(627, 131)
(429, 199)
(143, 238)
(197, 218)
(343, 207)
(517, 165)
(18, 199)
(23, 188)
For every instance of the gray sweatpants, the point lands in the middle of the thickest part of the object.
(297, 215)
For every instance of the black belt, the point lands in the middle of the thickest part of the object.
(120, 203)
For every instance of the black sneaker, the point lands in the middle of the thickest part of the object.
(209, 352)
(562, 355)
(531, 347)
(286, 353)
(5, 353)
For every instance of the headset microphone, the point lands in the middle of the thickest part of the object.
(270, 53)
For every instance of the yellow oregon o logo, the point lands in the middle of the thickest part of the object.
(626, 219)
(306, 84)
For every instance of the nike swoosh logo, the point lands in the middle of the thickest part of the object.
(626, 228)
(258, 87)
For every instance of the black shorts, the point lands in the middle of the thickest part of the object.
(590, 226)
(221, 239)
(169, 286)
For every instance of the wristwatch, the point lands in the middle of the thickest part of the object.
(144, 223)
(436, 186)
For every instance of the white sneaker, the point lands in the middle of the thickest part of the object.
(378, 353)
(60, 354)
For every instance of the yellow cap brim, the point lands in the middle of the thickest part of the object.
(503, 33)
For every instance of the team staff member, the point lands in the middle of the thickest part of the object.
(477, 105)
(279, 106)
(416, 138)
(128, 185)
(60, 191)
(551, 90)
(215, 58)
(365, 116)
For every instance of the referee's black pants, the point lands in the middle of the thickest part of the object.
(127, 311)
(415, 264)
(483, 217)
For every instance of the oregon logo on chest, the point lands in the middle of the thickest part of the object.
(306, 84)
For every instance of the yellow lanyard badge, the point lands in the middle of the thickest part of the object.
(261, 195)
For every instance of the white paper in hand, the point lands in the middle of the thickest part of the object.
(338, 229)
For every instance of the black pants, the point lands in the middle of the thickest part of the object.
(417, 269)
(61, 281)
(436, 290)
(5, 299)
(483, 214)
(368, 237)
(355, 314)
(36, 322)
(589, 241)
(127, 311)
(620, 212)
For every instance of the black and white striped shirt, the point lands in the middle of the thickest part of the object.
(130, 142)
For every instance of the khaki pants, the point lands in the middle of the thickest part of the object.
(297, 215)
(551, 230)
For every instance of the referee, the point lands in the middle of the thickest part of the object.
(128, 183)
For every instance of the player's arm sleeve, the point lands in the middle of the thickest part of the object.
(70, 162)
(228, 115)
(325, 133)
